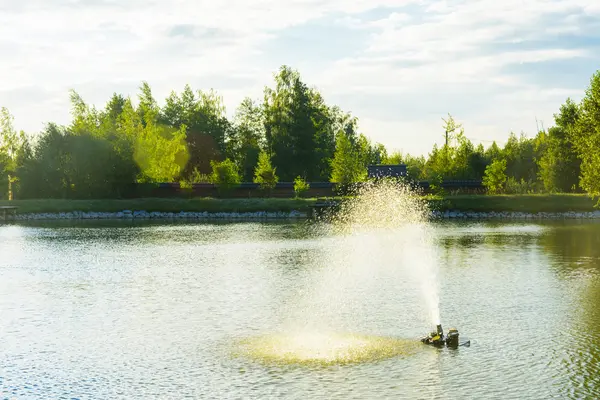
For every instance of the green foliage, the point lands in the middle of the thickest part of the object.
(148, 108)
(88, 166)
(583, 127)
(195, 177)
(512, 186)
(14, 151)
(247, 137)
(415, 166)
(103, 151)
(458, 159)
(394, 158)
(264, 174)
(495, 177)
(225, 175)
(300, 187)
(202, 115)
(161, 153)
(493, 152)
(559, 167)
(348, 165)
(378, 154)
(436, 187)
(298, 128)
(9, 139)
(69, 165)
(521, 157)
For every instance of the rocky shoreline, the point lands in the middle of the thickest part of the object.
(261, 215)
(144, 215)
(514, 215)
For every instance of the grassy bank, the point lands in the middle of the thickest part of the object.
(161, 205)
(478, 203)
(530, 203)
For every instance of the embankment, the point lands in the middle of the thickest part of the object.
(556, 206)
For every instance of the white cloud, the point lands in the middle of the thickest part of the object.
(430, 47)
(66, 44)
(458, 48)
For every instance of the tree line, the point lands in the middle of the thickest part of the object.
(291, 134)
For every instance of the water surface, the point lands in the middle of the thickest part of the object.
(111, 310)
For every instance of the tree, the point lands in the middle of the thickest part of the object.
(521, 158)
(89, 166)
(247, 137)
(367, 153)
(117, 126)
(298, 127)
(378, 153)
(65, 164)
(8, 149)
(46, 174)
(161, 153)
(559, 166)
(85, 118)
(148, 108)
(451, 161)
(495, 176)
(394, 158)
(452, 129)
(415, 166)
(110, 116)
(493, 153)
(206, 125)
(14, 148)
(265, 175)
(464, 154)
(347, 166)
(225, 175)
(103, 151)
(300, 187)
(586, 135)
(435, 165)
(478, 162)
(324, 136)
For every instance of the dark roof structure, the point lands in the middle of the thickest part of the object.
(387, 171)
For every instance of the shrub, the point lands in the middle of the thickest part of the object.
(300, 187)
(195, 177)
(436, 185)
(264, 173)
(523, 187)
(225, 175)
(494, 178)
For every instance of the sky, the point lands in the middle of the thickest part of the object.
(400, 66)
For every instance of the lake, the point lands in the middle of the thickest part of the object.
(122, 310)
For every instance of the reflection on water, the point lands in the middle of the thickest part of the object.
(155, 310)
(575, 258)
(321, 348)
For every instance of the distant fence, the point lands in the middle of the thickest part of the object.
(282, 189)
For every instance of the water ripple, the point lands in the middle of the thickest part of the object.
(149, 312)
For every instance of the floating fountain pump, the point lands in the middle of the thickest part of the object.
(438, 339)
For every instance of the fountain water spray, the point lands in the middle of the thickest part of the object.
(382, 228)
(398, 217)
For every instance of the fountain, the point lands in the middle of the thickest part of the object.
(380, 217)
(399, 217)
